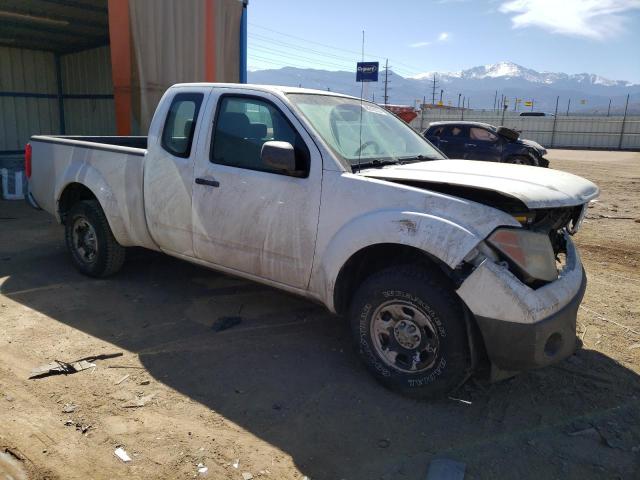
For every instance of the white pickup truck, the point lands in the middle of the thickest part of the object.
(439, 264)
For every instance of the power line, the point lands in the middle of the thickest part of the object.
(297, 47)
(408, 68)
(281, 53)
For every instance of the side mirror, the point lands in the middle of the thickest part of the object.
(279, 156)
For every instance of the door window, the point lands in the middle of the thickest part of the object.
(454, 132)
(177, 135)
(481, 134)
(243, 125)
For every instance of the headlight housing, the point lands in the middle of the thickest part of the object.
(529, 252)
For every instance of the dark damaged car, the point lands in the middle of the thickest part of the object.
(481, 141)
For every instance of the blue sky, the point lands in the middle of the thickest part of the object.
(571, 36)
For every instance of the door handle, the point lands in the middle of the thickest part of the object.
(444, 141)
(204, 181)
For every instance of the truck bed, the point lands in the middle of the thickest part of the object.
(112, 168)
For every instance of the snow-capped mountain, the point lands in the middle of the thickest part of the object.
(513, 71)
(482, 85)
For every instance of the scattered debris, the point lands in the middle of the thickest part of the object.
(145, 382)
(82, 428)
(446, 469)
(58, 367)
(246, 476)
(202, 469)
(224, 323)
(383, 443)
(236, 463)
(69, 408)
(122, 379)
(139, 401)
(122, 454)
(466, 402)
(600, 215)
(79, 426)
(585, 432)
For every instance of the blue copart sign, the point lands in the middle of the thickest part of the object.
(367, 72)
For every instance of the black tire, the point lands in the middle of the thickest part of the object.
(522, 160)
(93, 249)
(443, 349)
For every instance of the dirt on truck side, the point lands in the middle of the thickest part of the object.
(281, 394)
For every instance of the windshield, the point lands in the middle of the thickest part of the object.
(383, 138)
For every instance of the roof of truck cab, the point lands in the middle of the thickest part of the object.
(264, 88)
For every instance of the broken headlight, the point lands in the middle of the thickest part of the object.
(530, 253)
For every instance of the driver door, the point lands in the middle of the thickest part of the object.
(247, 217)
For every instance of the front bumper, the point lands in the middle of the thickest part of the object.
(525, 328)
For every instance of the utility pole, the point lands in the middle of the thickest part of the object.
(386, 82)
(441, 92)
(624, 121)
(568, 105)
(609, 109)
(459, 95)
(495, 99)
(555, 119)
(469, 103)
(433, 90)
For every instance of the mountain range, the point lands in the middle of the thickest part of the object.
(589, 93)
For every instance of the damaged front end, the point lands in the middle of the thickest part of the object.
(524, 288)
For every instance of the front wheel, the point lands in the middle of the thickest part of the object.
(522, 160)
(409, 330)
(90, 242)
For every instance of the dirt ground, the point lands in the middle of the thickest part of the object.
(282, 395)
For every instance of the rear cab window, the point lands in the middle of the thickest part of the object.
(180, 124)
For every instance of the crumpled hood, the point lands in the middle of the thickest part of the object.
(535, 187)
(531, 143)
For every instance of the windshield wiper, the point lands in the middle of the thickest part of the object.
(415, 158)
(375, 163)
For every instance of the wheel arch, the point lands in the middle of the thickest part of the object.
(376, 257)
(73, 193)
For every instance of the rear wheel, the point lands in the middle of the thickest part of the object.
(409, 330)
(94, 250)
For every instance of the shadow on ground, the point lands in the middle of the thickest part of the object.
(287, 374)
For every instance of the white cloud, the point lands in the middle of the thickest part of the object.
(443, 37)
(596, 19)
(419, 44)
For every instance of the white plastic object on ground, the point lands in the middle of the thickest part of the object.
(122, 454)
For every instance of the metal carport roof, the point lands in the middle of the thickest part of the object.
(61, 26)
